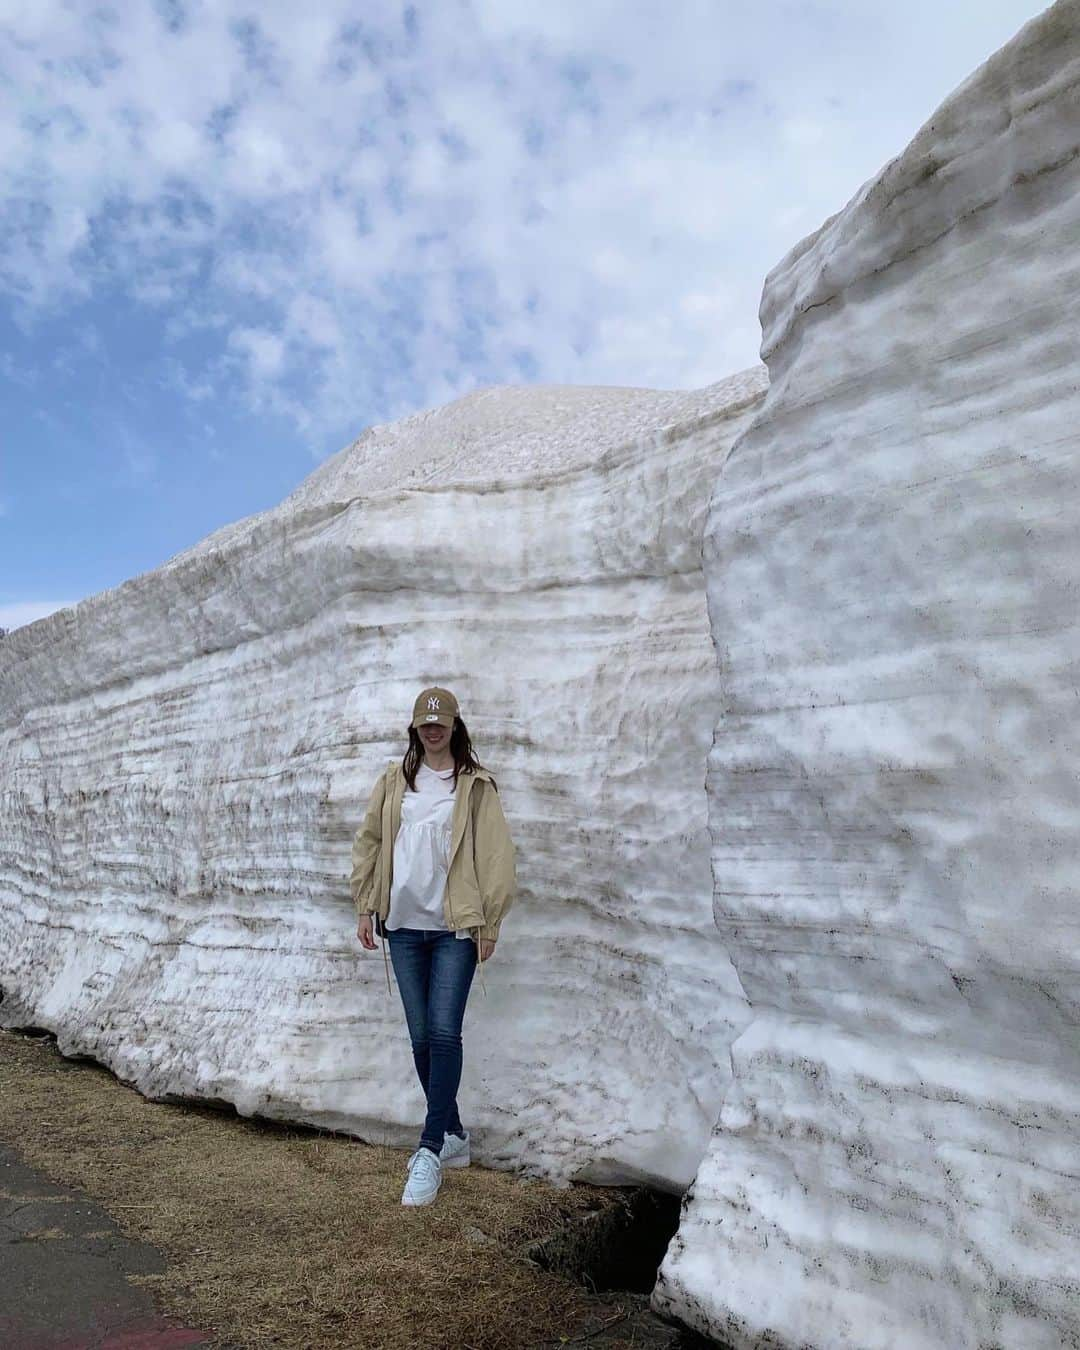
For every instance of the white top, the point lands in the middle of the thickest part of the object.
(422, 853)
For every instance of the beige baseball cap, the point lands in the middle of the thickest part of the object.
(435, 705)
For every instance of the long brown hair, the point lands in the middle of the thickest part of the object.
(465, 760)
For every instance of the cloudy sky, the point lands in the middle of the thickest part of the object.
(232, 236)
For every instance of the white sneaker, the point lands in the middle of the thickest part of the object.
(454, 1151)
(425, 1178)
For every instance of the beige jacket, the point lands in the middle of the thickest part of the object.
(481, 881)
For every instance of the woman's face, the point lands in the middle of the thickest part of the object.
(434, 735)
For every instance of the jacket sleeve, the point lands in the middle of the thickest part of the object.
(494, 854)
(365, 851)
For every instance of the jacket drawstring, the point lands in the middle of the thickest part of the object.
(480, 963)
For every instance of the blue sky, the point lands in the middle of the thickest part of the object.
(233, 236)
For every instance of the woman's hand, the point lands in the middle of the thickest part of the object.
(363, 932)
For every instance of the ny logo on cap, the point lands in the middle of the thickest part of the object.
(433, 702)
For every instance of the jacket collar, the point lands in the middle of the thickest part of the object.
(395, 767)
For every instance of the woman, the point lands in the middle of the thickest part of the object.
(433, 863)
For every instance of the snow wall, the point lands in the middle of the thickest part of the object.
(892, 559)
(782, 700)
(187, 757)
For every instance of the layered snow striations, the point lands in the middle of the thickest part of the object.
(780, 681)
(187, 756)
(893, 573)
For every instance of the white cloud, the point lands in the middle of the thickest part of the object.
(373, 214)
(265, 352)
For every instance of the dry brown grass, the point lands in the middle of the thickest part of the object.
(298, 1239)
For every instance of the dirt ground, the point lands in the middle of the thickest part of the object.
(297, 1239)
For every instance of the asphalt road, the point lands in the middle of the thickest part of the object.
(63, 1272)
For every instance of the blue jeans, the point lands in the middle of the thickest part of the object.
(434, 970)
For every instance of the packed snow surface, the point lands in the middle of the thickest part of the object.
(894, 786)
(188, 755)
(779, 682)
